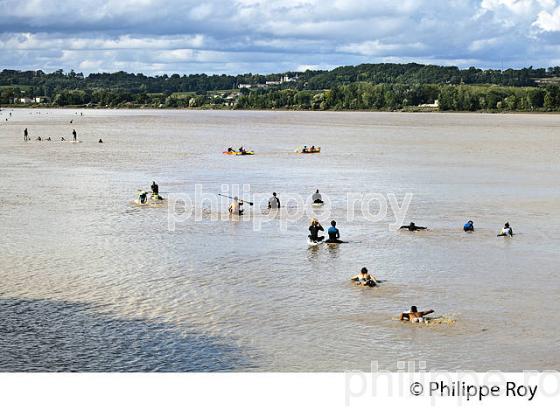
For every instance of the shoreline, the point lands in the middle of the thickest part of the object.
(403, 111)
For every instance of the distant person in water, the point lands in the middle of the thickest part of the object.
(143, 197)
(236, 207)
(314, 229)
(412, 227)
(274, 202)
(155, 188)
(100, 141)
(75, 135)
(62, 139)
(334, 234)
(364, 279)
(469, 226)
(25, 135)
(414, 315)
(317, 198)
(506, 230)
(49, 139)
(39, 139)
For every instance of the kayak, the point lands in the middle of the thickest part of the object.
(238, 153)
(316, 150)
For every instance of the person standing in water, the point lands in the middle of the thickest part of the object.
(314, 229)
(25, 135)
(506, 230)
(317, 198)
(334, 234)
(155, 188)
(75, 135)
(274, 202)
(155, 191)
(469, 226)
(236, 207)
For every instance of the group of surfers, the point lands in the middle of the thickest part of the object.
(236, 206)
(143, 195)
(27, 138)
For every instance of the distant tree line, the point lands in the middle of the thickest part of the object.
(362, 87)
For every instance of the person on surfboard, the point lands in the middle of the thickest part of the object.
(412, 227)
(334, 234)
(364, 279)
(317, 198)
(414, 316)
(506, 230)
(469, 226)
(314, 229)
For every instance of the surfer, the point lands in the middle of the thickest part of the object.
(364, 279)
(143, 197)
(25, 135)
(506, 230)
(469, 226)
(274, 202)
(317, 198)
(155, 191)
(412, 227)
(74, 135)
(414, 316)
(334, 234)
(236, 207)
(314, 229)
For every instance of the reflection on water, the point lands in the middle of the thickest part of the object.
(89, 281)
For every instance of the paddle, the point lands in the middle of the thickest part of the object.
(240, 200)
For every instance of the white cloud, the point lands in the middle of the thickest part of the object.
(273, 35)
(377, 48)
(549, 21)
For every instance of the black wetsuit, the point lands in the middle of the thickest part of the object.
(155, 189)
(413, 227)
(314, 230)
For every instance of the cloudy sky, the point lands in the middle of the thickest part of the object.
(239, 36)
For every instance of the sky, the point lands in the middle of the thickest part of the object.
(268, 36)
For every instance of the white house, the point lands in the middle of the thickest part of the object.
(24, 100)
(434, 105)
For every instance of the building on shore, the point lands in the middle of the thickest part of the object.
(434, 105)
(23, 100)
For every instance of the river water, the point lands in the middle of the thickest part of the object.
(89, 281)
